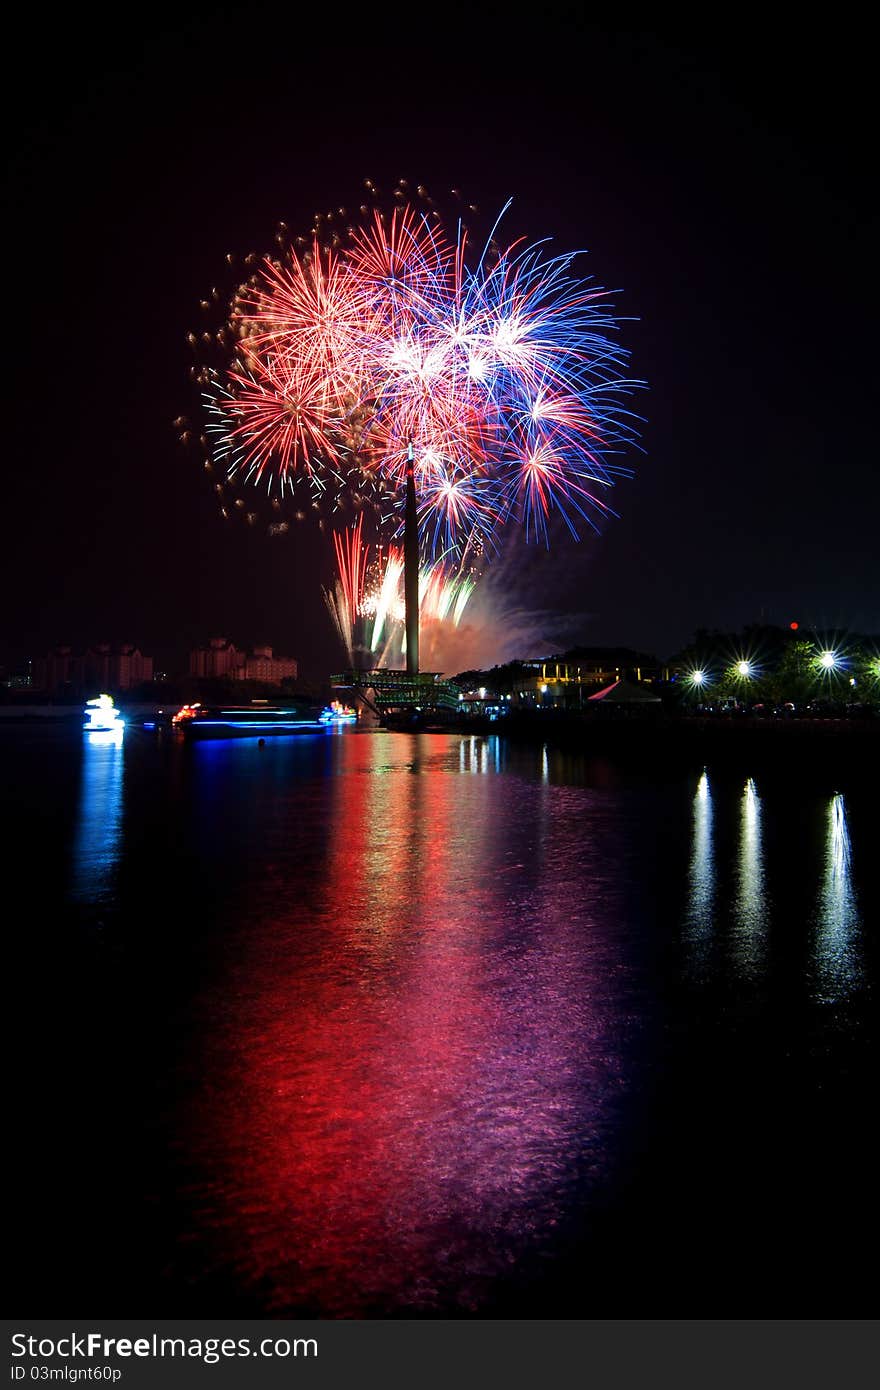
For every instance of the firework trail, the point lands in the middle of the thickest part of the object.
(345, 599)
(366, 601)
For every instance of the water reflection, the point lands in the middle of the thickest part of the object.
(480, 754)
(838, 955)
(750, 907)
(98, 835)
(701, 876)
(404, 1036)
(473, 754)
(416, 1067)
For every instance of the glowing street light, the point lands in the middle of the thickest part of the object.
(698, 677)
(828, 660)
(744, 668)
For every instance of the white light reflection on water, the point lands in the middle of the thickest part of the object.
(701, 876)
(750, 907)
(838, 956)
(472, 755)
(99, 822)
(480, 755)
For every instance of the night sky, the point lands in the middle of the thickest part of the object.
(719, 177)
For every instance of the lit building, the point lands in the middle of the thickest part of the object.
(101, 667)
(116, 668)
(574, 678)
(221, 659)
(261, 665)
(60, 670)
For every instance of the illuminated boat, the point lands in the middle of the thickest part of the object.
(337, 713)
(102, 717)
(258, 719)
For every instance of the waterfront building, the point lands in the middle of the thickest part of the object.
(221, 658)
(262, 665)
(101, 667)
(576, 676)
(116, 668)
(59, 670)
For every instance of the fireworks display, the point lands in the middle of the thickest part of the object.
(381, 337)
(366, 602)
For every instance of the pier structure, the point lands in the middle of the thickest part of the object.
(399, 693)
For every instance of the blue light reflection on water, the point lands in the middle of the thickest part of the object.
(98, 836)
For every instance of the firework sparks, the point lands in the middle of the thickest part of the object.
(497, 370)
(503, 377)
(366, 601)
(345, 599)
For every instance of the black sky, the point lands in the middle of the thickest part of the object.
(719, 175)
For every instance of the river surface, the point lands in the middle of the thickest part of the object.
(370, 1024)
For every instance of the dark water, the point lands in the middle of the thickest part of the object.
(373, 1024)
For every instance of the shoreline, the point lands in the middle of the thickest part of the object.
(824, 747)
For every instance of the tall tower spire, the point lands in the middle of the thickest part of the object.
(411, 567)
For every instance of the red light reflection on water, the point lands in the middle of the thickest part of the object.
(411, 1074)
